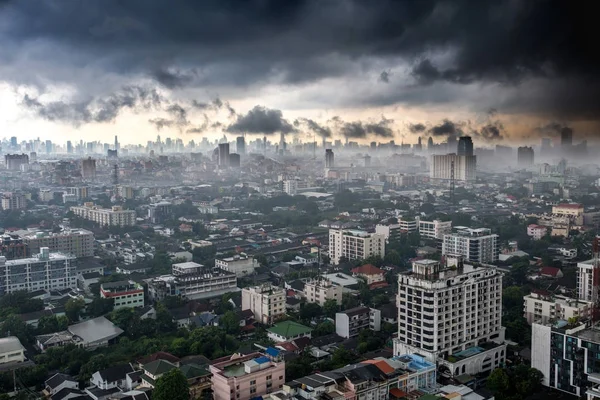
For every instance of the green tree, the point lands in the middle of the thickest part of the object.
(73, 309)
(393, 257)
(349, 301)
(100, 306)
(324, 328)
(330, 308)
(498, 381)
(309, 311)
(341, 357)
(171, 386)
(96, 363)
(519, 272)
(13, 326)
(230, 322)
(52, 323)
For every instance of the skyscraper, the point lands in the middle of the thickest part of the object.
(329, 158)
(69, 147)
(525, 156)
(430, 143)
(88, 169)
(13, 142)
(566, 138)
(240, 145)
(223, 155)
(282, 144)
(116, 143)
(465, 146)
(451, 144)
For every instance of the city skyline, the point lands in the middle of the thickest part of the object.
(345, 70)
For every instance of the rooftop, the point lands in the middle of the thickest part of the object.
(289, 329)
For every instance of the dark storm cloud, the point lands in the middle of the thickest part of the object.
(104, 109)
(261, 120)
(447, 128)
(417, 128)
(321, 130)
(491, 132)
(554, 129)
(384, 77)
(215, 105)
(172, 79)
(360, 130)
(161, 123)
(179, 114)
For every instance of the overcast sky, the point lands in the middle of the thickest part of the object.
(502, 71)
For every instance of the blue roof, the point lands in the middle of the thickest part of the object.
(261, 360)
(273, 352)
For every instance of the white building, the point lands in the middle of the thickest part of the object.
(45, 271)
(537, 231)
(465, 167)
(266, 302)
(240, 265)
(588, 280)
(350, 323)
(78, 242)
(355, 244)
(435, 229)
(115, 216)
(544, 308)
(476, 245)
(11, 350)
(13, 201)
(125, 294)
(452, 314)
(320, 290)
(290, 187)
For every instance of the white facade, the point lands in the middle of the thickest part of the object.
(125, 294)
(537, 231)
(476, 245)
(115, 216)
(320, 290)
(290, 186)
(435, 229)
(464, 167)
(11, 350)
(446, 309)
(350, 323)
(239, 265)
(48, 271)
(587, 289)
(540, 350)
(543, 309)
(79, 242)
(266, 302)
(354, 245)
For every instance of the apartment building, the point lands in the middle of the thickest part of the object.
(45, 271)
(266, 302)
(13, 201)
(451, 313)
(588, 280)
(78, 242)
(572, 211)
(125, 294)
(115, 216)
(435, 229)
(354, 244)
(159, 212)
(542, 308)
(351, 322)
(536, 232)
(245, 377)
(192, 281)
(240, 265)
(320, 290)
(476, 245)
(461, 167)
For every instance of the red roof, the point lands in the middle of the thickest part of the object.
(550, 271)
(570, 205)
(160, 355)
(367, 269)
(382, 365)
(397, 393)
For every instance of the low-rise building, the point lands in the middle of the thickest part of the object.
(245, 377)
(78, 242)
(90, 334)
(115, 216)
(288, 330)
(320, 290)
(572, 211)
(266, 302)
(543, 308)
(536, 232)
(11, 350)
(240, 265)
(350, 323)
(125, 294)
(435, 229)
(370, 273)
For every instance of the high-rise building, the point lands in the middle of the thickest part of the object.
(88, 169)
(290, 187)
(329, 158)
(116, 143)
(430, 143)
(546, 146)
(13, 162)
(465, 146)
(525, 156)
(465, 167)
(240, 145)
(452, 145)
(354, 244)
(451, 314)
(159, 212)
(566, 138)
(13, 201)
(266, 302)
(223, 155)
(69, 147)
(475, 245)
(234, 160)
(13, 142)
(48, 146)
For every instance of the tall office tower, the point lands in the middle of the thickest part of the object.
(566, 138)
(451, 314)
(588, 276)
(475, 245)
(465, 167)
(240, 145)
(13, 142)
(430, 143)
(48, 146)
(329, 158)
(69, 147)
(451, 145)
(88, 169)
(223, 154)
(525, 156)
(282, 143)
(419, 145)
(465, 146)
(546, 147)
(234, 160)
(116, 143)
(13, 162)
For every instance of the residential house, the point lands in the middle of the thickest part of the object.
(58, 382)
(112, 377)
(288, 330)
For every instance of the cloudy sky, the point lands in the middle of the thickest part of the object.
(502, 71)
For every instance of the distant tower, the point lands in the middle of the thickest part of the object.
(115, 174)
(240, 145)
(223, 155)
(116, 143)
(451, 144)
(525, 156)
(430, 143)
(69, 147)
(566, 138)
(329, 158)
(282, 144)
(88, 169)
(465, 146)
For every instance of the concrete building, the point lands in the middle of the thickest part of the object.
(13, 162)
(465, 167)
(240, 265)
(320, 290)
(465, 146)
(435, 229)
(244, 377)
(536, 232)
(476, 245)
(125, 294)
(572, 211)
(588, 280)
(234, 160)
(266, 302)
(543, 308)
(115, 216)
(159, 212)
(88, 169)
(192, 281)
(525, 157)
(567, 355)
(451, 314)
(13, 201)
(354, 244)
(223, 155)
(11, 350)
(370, 273)
(45, 271)
(350, 323)
(329, 159)
(78, 242)
(290, 187)
(389, 232)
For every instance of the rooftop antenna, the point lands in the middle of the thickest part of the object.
(452, 182)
